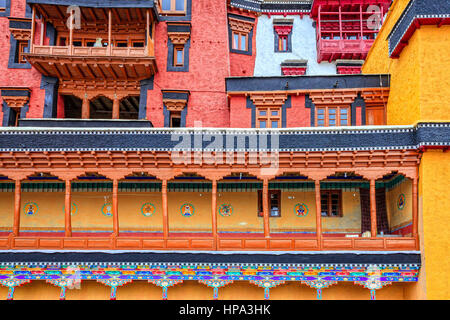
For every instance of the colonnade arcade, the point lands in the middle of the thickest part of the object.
(210, 209)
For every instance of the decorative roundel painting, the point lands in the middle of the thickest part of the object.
(30, 209)
(107, 209)
(401, 201)
(187, 210)
(74, 210)
(301, 210)
(225, 210)
(148, 209)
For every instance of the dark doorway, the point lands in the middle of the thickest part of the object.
(72, 107)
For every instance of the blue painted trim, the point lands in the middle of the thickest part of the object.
(186, 17)
(167, 117)
(146, 85)
(359, 102)
(7, 11)
(50, 33)
(12, 64)
(50, 85)
(9, 115)
(170, 57)
(310, 105)
(251, 106)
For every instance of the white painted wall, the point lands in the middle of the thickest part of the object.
(303, 47)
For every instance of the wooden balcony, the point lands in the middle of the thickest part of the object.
(330, 50)
(222, 243)
(93, 63)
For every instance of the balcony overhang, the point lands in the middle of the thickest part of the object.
(90, 63)
(330, 50)
(94, 14)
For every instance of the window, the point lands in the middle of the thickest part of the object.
(138, 44)
(178, 56)
(283, 43)
(175, 119)
(332, 116)
(331, 203)
(268, 117)
(274, 203)
(239, 41)
(21, 47)
(173, 6)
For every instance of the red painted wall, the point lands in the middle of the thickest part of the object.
(242, 65)
(209, 65)
(240, 115)
(297, 115)
(30, 78)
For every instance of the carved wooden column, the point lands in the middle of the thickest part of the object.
(116, 107)
(373, 209)
(115, 207)
(214, 211)
(33, 28)
(109, 32)
(318, 214)
(68, 209)
(266, 207)
(85, 108)
(17, 200)
(415, 211)
(165, 209)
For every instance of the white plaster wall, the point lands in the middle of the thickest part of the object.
(268, 61)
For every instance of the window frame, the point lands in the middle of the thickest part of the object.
(268, 118)
(20, 50)
(260, 204)
(329, 193)
(338, 119)
(172, 115)
(239, 44)
(176, 49)
(173, 10)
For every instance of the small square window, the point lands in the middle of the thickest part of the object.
(274, 203)
(175, 119)
(173, 6)
(178, 56)
(21, 48)
(239, 41)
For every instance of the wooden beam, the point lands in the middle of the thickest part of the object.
(373, 209)
(318, 214)
(17, 206)
(68, 209)
(165, 210)
(265, 198)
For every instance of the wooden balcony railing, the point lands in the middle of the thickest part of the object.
(343, 48)
(223, 243)
(92, 51)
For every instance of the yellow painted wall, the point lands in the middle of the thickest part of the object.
(420, 81)
(435, 204)
(245, 212)
(89, 215)
(50, 214)
(6, 211)
(130, 215)
(351, 219)
(200, 221)
(398, 218)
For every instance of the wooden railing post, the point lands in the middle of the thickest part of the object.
(373, 209)
(33, 29)
(266, 207)
(17, 202)
(318, 214)
(85, 108)
(415, 211)
(214, 211)
(115, 207)
(116, 107)
(68, 209)
(165, 210)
